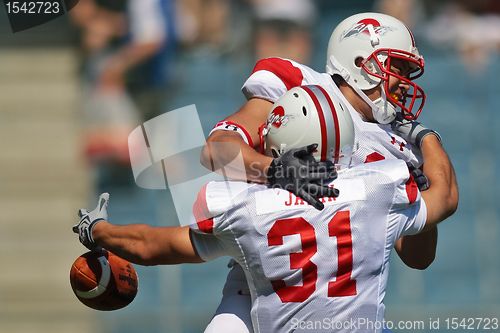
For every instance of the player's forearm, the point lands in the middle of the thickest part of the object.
(223, 147)
(418, 251)
(128, 242)
(442, 197)
(227, 153)
(146, 245)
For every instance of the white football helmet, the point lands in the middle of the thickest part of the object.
(361, 49)
(307, 115)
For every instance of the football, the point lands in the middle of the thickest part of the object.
(103, 281)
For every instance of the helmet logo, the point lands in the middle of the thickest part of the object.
(277, 117)
(362, 27)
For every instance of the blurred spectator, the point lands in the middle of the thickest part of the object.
(408, 11)
(204, 22)
(98, 24)
(126, 46)
(283, 29)
(472, 28)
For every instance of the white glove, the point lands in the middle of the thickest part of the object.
(89, 219)
(412, 131)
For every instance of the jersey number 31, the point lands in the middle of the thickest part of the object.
(339, 227)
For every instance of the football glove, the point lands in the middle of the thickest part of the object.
(412, 131)
(420, 179)
(88, 220)
(298, 172)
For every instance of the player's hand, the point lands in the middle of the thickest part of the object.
(419, 177)
(298, 172)
(89, 219)
(412, 131)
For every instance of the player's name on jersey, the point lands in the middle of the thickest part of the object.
(275, 199)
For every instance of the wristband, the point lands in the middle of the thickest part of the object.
(420, 136)
(235, 128)
(91, 227)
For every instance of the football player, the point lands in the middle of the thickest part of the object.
(303, 266)
(372, 62)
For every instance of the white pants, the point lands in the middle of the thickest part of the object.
(233, 313)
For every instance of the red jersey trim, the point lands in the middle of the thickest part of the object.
(411, 190)
(374, 157)
(225, 125)
(204, 220)
(290, 75)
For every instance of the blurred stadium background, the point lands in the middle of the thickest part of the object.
(65, 110)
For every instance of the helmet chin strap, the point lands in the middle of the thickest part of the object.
(383, 111)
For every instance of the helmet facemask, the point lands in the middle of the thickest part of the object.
(378, 65)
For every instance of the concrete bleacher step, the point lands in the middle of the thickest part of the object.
(63, 325)
(34, 92)
(43, 180)
(40, 65)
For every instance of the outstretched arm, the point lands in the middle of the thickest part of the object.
(146, 245)
(138, 243)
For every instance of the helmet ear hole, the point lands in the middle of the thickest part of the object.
(304, 111)
(275, 153)
(358, 61)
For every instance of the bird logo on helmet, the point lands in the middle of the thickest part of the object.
(363, 27)
(277, 118)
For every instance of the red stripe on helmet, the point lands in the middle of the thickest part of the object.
(336, 155)
(322, 122)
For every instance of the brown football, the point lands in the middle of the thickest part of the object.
(103, 281)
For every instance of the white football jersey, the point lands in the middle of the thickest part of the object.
(272, 77)
(307, 267)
